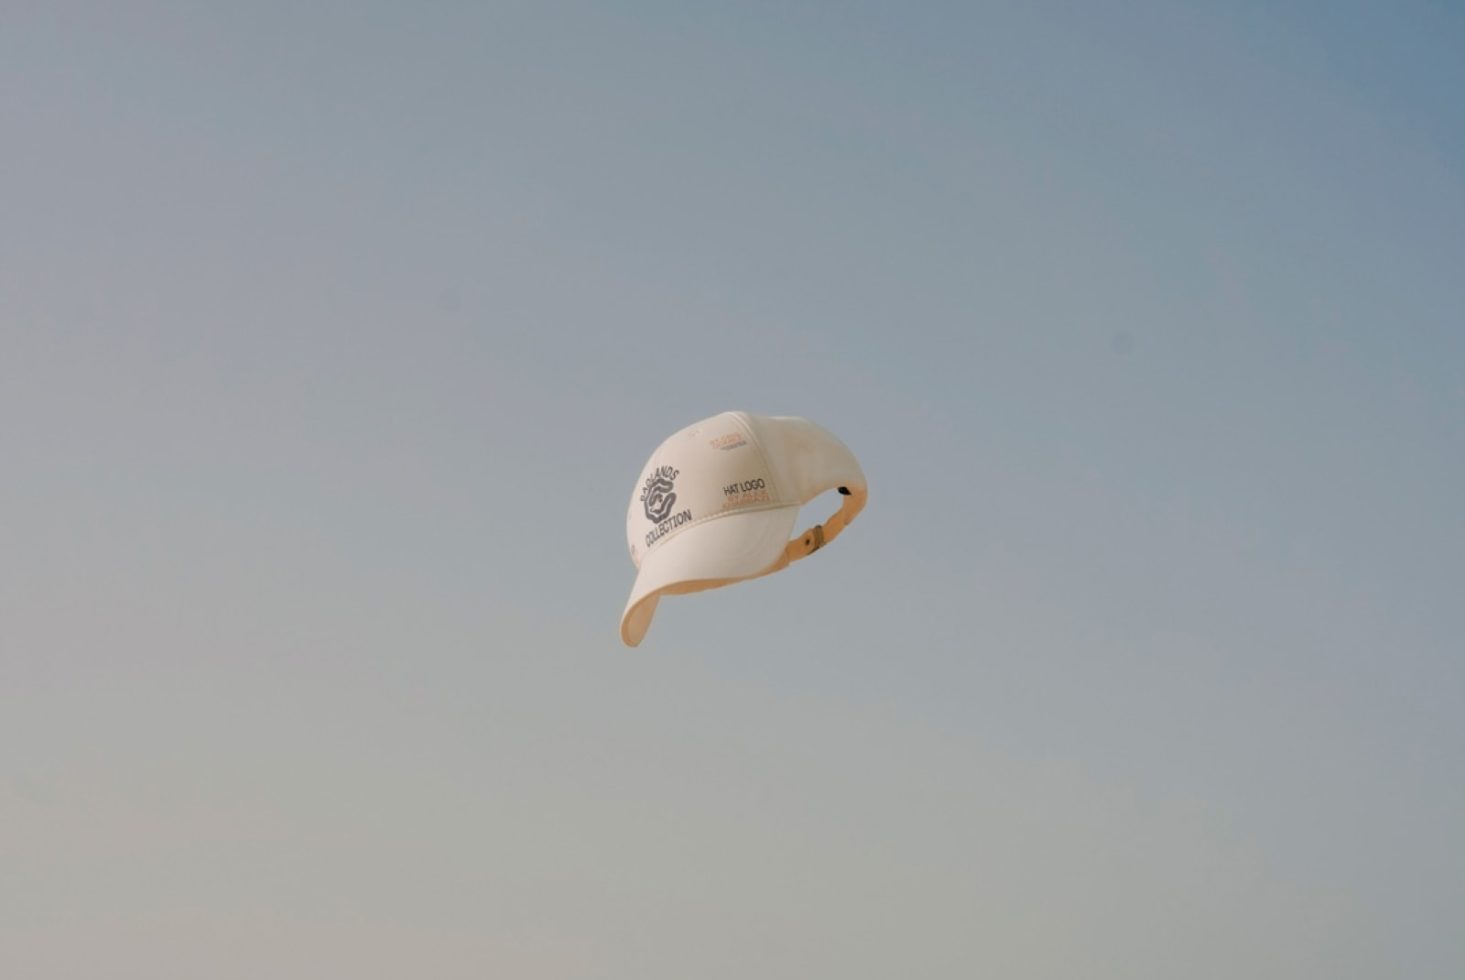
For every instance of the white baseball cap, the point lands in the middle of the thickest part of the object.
(717, 501)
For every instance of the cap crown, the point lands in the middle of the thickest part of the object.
(707, 470)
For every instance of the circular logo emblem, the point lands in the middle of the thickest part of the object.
(658, 496)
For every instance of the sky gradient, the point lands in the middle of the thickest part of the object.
(333, 339)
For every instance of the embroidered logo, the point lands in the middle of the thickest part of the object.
(659, 496)
(730, 441)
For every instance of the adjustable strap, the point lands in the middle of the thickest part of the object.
(821, 534)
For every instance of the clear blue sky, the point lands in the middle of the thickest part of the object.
(333, 337)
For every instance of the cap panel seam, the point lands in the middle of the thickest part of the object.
(757, 444)
(711, 517)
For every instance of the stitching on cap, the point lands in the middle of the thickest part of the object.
(757, 445)
(712, 517)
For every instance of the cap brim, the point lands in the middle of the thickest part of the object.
(717, 552)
